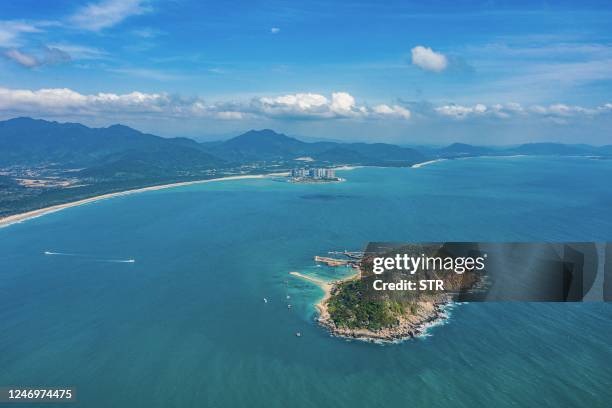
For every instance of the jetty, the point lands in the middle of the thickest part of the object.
(333, 261)
(316, 281)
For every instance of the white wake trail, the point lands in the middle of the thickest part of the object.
(91, 257)
(60, 253)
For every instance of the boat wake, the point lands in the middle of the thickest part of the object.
(59, 253)
(90, 257)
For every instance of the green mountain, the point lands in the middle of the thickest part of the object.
(267, 145)
(115, 151)
(259, 145)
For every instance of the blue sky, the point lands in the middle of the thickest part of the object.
(478, 72)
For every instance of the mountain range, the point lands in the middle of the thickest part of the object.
(122, 152)
(44, 163)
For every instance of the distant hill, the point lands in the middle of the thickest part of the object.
(555, 149)
(464, 150)
(120, 152)
(606, 150)
(536, 149)
(267, 145)
(259, 145)
(116, 150)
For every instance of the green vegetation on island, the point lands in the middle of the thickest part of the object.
(354, 308)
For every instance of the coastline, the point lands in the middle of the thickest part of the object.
(21, 217)
(432, 314)
(17, 218)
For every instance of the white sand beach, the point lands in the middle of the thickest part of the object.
(12, 219)
(425, 163)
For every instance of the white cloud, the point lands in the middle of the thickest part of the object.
(299, 101)
(107, 13)
(275, 30)
(311, 105)
(64, 101)
(21, 58)
(10, 31)
(148, 74)
(560, 110)
(395, 110)
(428, 59)
(341, 105)
(47, 56)
(460, 112)
(79, 51)
(513, 109)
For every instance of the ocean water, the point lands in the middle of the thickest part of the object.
(185, 325)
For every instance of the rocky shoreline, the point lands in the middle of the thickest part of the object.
(430, 314)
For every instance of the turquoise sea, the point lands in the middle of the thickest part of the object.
(185, 325)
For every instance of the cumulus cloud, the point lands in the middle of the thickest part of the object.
(429, 60)
(513, 109)
(107, 13)
(560, 110)
(311, 105)
(275, 30)
(301, 106)
(67, 101)
(64, 101)
(393, 111)
(460, 111)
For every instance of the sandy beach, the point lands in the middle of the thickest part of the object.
(327, 287)
(425, 163)
(17, 218)
(12, 219)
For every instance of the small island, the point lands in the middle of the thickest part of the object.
(350, 309)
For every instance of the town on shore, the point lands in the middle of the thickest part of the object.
(314, 175)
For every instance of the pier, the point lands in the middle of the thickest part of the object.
(332, 261)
